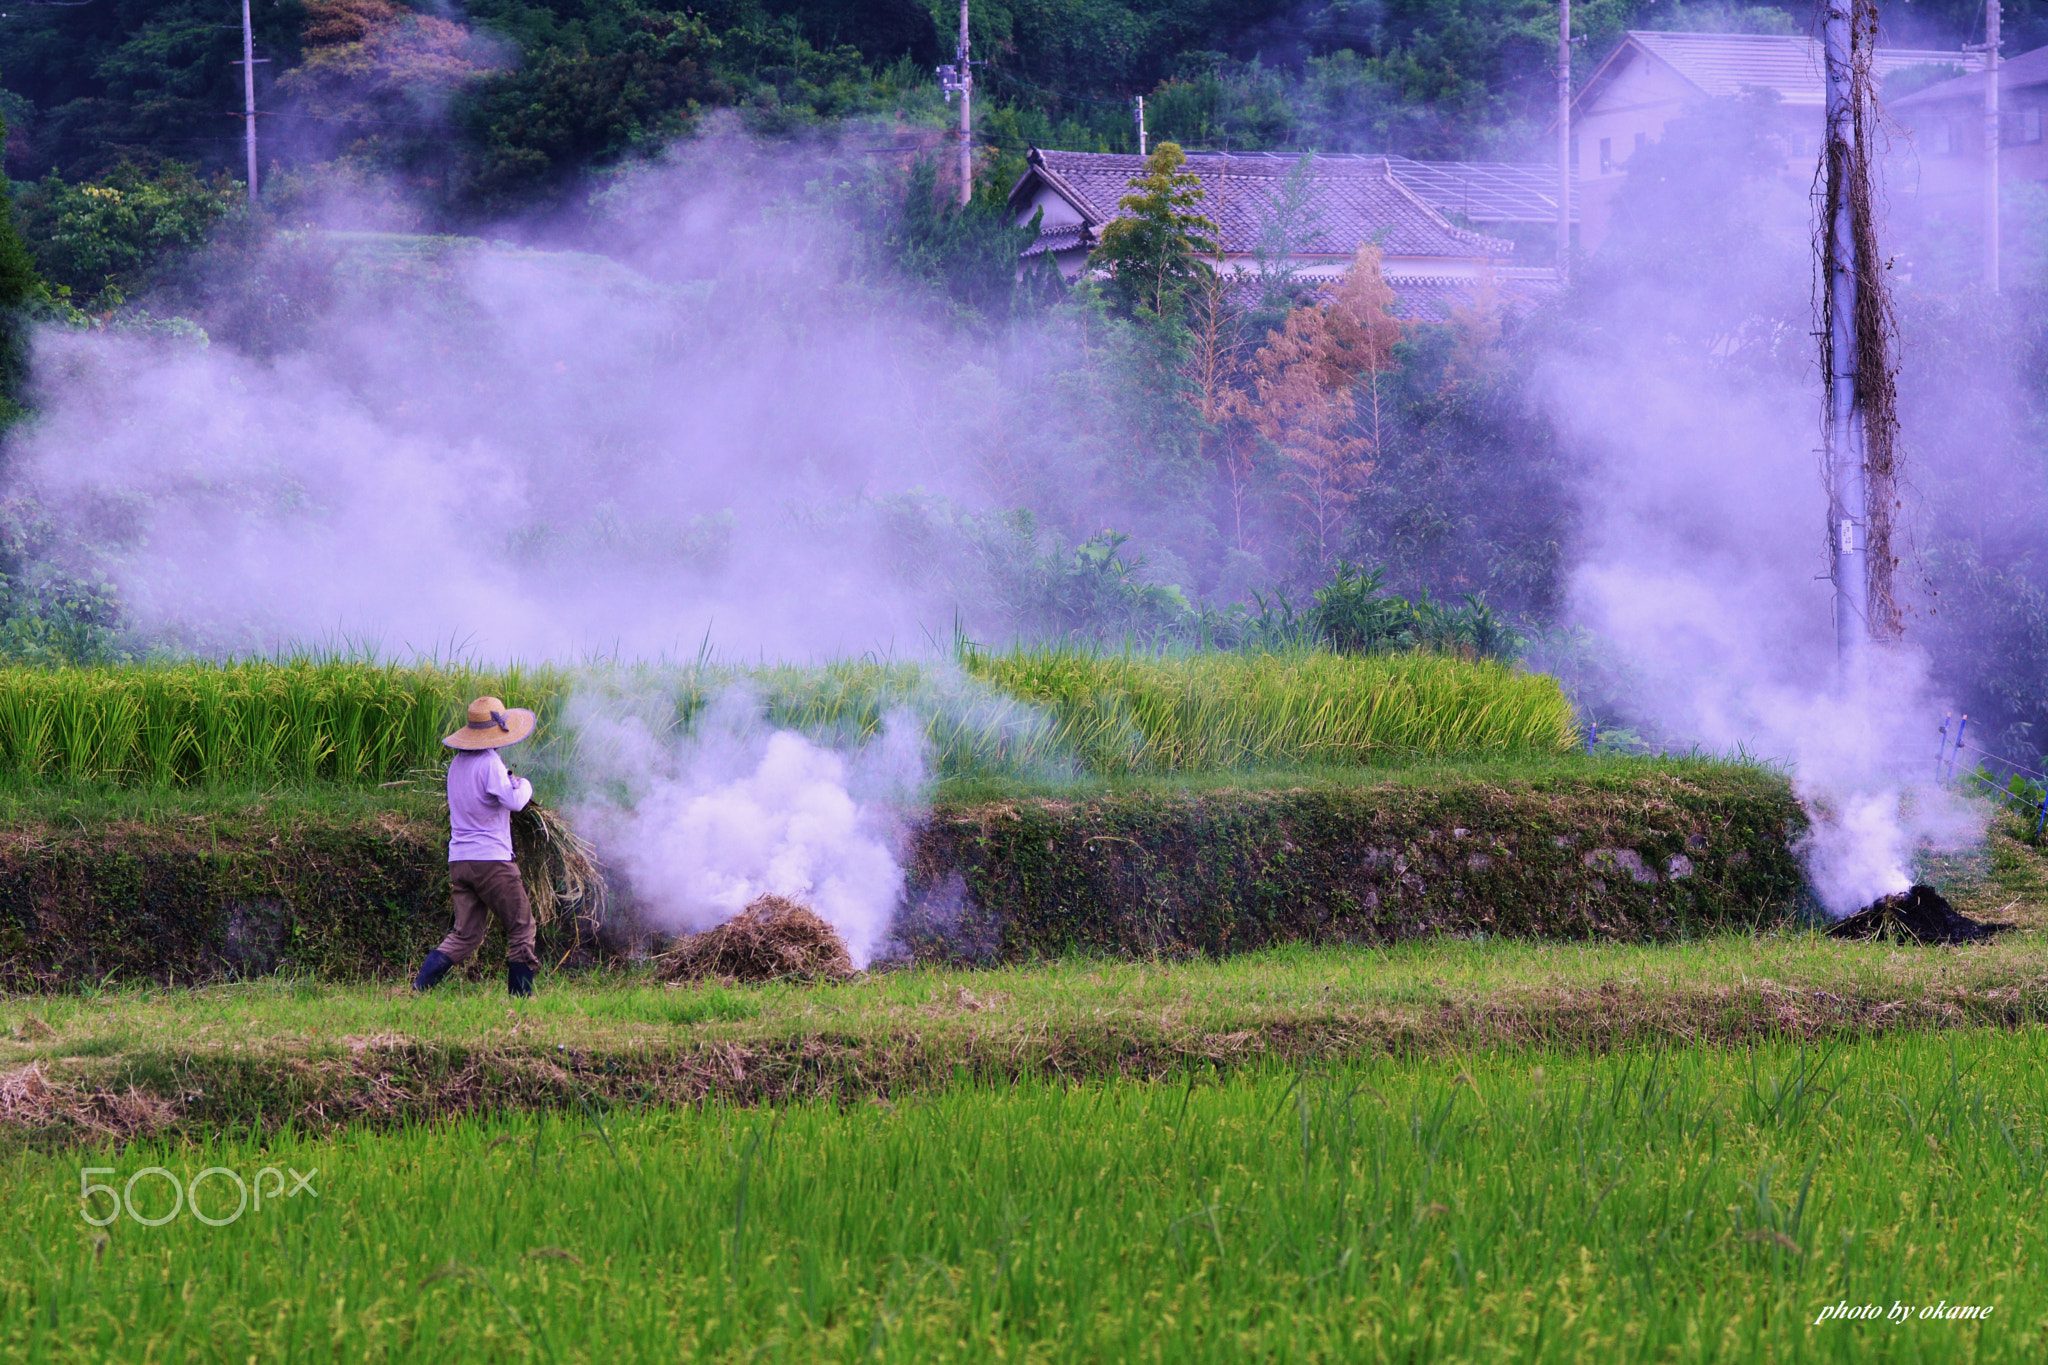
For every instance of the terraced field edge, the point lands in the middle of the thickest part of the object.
(352, 895)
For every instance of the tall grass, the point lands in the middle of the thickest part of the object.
(1039, 711)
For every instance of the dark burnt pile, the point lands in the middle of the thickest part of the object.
(1917, 916)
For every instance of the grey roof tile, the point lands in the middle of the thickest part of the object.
(1484, 191)
(1726, 64)
(1351, 200)
(2029, 68)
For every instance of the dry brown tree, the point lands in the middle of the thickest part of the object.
(1306, 384)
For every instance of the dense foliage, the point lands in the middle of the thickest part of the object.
(536, 94)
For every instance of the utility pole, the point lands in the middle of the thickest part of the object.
(249, 96)
(958, 79)
(966, 118)
(1994, 135)
(1847, 535)
(1140, 116)
(1564, 135)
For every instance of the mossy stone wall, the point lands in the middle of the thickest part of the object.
(1231, 871)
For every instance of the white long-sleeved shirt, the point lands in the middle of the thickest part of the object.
(482, 794)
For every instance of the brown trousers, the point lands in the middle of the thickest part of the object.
(481, 890)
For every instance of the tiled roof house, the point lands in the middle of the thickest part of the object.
(1430, 262)
(1942, 161)
(1652, 78)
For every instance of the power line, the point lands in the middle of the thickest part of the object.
(1057, 94)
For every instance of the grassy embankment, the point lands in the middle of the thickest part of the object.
(1684, 1205)
(266, 1053)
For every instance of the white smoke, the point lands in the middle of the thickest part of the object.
(1702, 564)
(1695, 402)
(527, 453)
(513, 453)
(704, 824)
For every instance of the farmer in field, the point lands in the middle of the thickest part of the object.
(484, 879)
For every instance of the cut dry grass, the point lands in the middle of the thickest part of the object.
(559, 866)
(773, 939)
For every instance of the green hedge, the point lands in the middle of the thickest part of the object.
(329, 899)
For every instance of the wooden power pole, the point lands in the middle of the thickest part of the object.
(1858, 337)
(1847, 536)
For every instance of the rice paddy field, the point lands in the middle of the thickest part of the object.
(1026, 713)
(1470, 1149)
(1669, 1205)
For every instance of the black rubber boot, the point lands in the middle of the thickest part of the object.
(519, 978)
(432, 970)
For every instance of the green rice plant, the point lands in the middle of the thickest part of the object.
(1044, 711)
(175, 724)
(166, 734)
(1223, 711)
(1687, 1205)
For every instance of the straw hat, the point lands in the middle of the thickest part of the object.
(492, 725)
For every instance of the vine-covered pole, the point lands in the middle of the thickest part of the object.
(1846, 513)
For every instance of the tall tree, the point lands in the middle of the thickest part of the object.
(1159, 248)
(1213, 366)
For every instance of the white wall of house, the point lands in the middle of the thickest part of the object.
(1940, 161)
(1627, 113)
(1058, 212)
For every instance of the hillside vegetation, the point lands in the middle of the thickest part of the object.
(493, 104)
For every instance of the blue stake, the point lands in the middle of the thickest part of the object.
(1959, 743)
(2042, 822)
(1592, 734)
(1941, 749)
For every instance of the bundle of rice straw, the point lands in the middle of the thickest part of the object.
(558, 865)
(772, 938)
